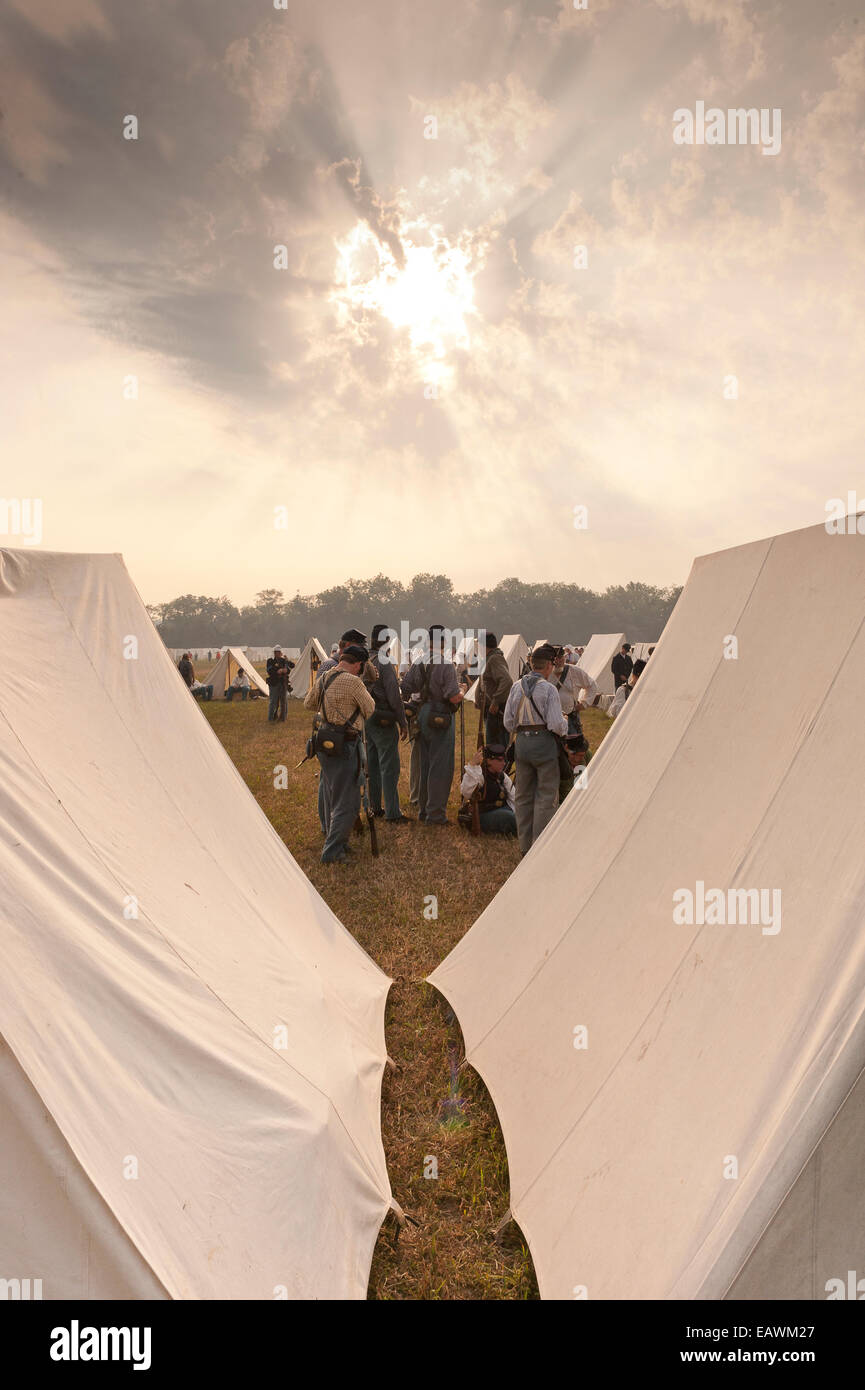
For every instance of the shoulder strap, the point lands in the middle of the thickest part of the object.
(527, 695)
(425, 683)
(327, 681)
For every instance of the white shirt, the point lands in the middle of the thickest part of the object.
(574, 679)
(547, 708)
(473, 777)
(617, 703)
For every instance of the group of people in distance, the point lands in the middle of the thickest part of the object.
(533, 748)
(531, 728)
(239, 684)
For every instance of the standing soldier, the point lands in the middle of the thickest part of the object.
(534, 715)
(353, 638)
(342, 700)
(278, 668)
(494, 688)
(570, 680)
(440, 695)
(385, 727)
(320, 668)
(622, 665)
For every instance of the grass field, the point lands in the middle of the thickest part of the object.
(431, 1108)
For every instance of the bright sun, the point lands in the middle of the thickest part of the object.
(431, 296)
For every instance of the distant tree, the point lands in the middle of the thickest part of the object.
(564, 612)
(198, 621)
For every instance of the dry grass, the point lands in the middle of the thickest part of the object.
(430, 1109)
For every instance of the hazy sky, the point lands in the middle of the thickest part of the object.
(431, 382)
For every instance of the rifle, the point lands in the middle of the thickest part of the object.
(482, 708)
(370, 818)
(476, 810)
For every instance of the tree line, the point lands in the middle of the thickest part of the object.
(562, 612)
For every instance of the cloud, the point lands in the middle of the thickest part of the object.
(382, 218)
(600, 385)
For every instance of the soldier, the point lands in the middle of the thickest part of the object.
(342, 699)
(320, 668)
(622, 695)
(494, 688)
(358, 639)
(578, 756)
(534, 715)
(622, 665)
(278, 667)
(485, 777)
(570, 680)
(385, 728)
(437, 684)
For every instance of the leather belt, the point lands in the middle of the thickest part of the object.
(532, 729)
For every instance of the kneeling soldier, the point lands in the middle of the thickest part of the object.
(485, 778)
(578, 755)
(340, 696)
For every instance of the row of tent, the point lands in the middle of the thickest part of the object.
(193, 1045)
(595, 660)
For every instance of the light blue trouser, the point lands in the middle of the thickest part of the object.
(414, 771)
(499, 821)
(436, 768)
(537, 791)
(274, 701)
(382, 746)
(340, 779)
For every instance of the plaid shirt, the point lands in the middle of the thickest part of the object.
(345, 693)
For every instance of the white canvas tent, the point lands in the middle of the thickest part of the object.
(192, 1044)
(396, 654)
(709, 1140)
(226, 668)
(262, 653)
(596, 659)
(516, 654)
(302, 675)
(468, 649)
(640, 650)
